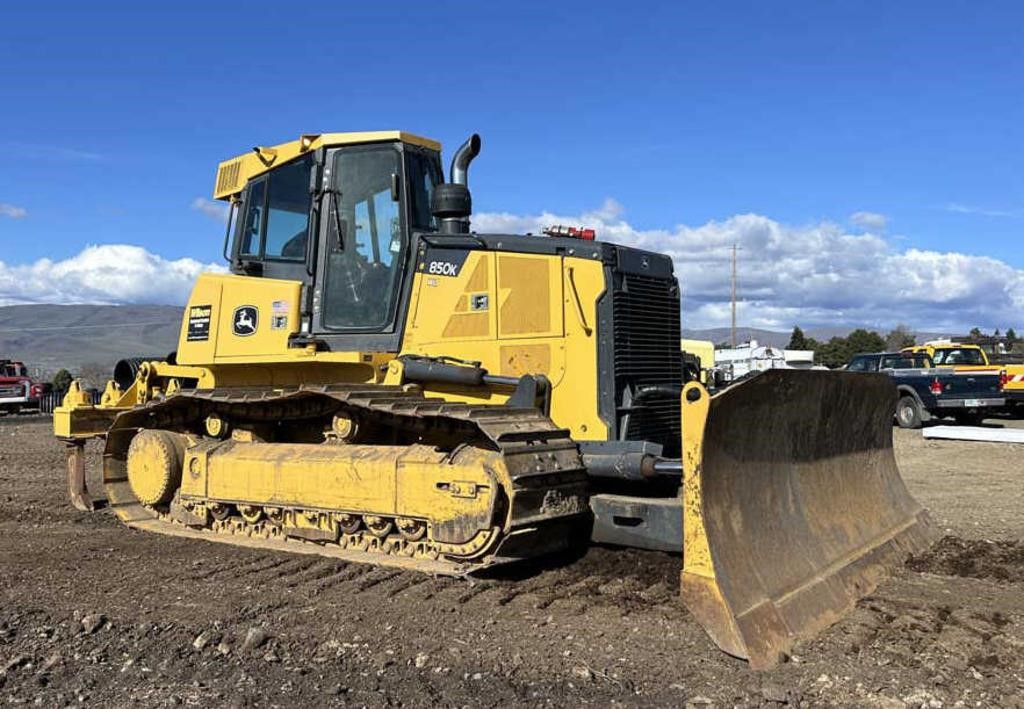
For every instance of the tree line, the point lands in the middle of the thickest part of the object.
(837, 351)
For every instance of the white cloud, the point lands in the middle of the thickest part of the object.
(49, 153)
(813, 275)
(869, 220)
(218, 211)
(982, 211)
(9, 210)
(115, 273)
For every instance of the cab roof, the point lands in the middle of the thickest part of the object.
(232, 174)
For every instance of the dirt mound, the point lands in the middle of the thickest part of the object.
(939, 638)
(973, 558)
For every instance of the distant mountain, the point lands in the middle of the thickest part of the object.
(94, 337)
(743, 334)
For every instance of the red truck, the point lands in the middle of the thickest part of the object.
(17, 390)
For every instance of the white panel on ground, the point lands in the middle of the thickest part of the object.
(976, 433)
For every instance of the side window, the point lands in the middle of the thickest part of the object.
(288, 212)
(253, 225)
(424, 173)
(276, 222)
(859, 364)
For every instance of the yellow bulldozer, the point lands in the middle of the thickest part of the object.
(375, 381)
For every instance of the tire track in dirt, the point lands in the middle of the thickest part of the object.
(314, 574)
(228, 568)
(289, 569)
(339, 581)
(377, 577)
(411, 582)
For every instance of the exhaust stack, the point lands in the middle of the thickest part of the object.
(451, 203)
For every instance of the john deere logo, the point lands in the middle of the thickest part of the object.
(245, 320)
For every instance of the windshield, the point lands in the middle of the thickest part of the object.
(12, 369)
(861, 364)
(366, 245)
(958, 355)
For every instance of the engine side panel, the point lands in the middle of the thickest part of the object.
(238, 318)
(516, 314)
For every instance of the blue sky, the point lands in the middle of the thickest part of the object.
(682, 113)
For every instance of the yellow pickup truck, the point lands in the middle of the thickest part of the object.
(964, 357)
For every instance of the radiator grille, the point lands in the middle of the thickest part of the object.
(645, 314)
(10, 391)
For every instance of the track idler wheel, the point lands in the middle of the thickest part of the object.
(412, 529)
(348, 523)
(250, 513)
(379, 527)
(154, 466)
(219, 511)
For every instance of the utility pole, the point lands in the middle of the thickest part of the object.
(734, 295)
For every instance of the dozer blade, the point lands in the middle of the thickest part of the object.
(793, 506)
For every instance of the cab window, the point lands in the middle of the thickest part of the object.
(958, 355)
(905, 361)
(424, 172)
(860, 364)
(276, 225)
(252, 227)
(366, 243)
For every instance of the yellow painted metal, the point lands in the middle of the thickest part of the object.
(232, 174)
(154, 466)
(410, 481)
(529, 296)
(532, 340)
(218, 298)
(77, 418)
(699, 585)
(703, 349)
(793, 505)
(76, 396)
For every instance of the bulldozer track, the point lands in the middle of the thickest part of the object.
(542, 460)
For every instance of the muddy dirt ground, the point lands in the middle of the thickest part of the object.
(92, 613)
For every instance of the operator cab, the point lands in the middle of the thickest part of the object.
(10, 368)
(338, 217)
